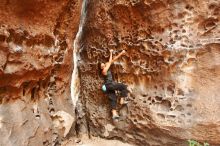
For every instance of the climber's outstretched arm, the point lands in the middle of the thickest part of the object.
(108, 64)
(110, 58)
(118, 56)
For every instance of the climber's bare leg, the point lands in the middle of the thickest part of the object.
(123, 101)
(114, 114)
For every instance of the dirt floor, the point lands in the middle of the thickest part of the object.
(94, 141)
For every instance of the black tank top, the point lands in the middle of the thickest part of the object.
(108, 77)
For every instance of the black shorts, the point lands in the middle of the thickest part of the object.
(111, 88)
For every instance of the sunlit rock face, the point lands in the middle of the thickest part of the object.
(172, 67)
(36, 45)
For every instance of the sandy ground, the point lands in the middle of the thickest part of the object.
(95, 141)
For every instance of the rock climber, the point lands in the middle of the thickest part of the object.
(110, 86)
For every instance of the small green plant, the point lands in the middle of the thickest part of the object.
(195, 143)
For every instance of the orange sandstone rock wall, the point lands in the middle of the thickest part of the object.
(172, 68)
(36, 45)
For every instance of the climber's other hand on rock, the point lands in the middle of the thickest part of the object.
(123, 52)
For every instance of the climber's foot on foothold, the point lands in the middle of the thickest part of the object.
(115, 115)
(115, 118)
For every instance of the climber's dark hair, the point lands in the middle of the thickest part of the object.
(99, 64)
(99, 69)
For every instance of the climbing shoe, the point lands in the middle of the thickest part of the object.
(115, 117)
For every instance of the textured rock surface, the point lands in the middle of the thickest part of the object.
(36, 45)
(172, 68)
